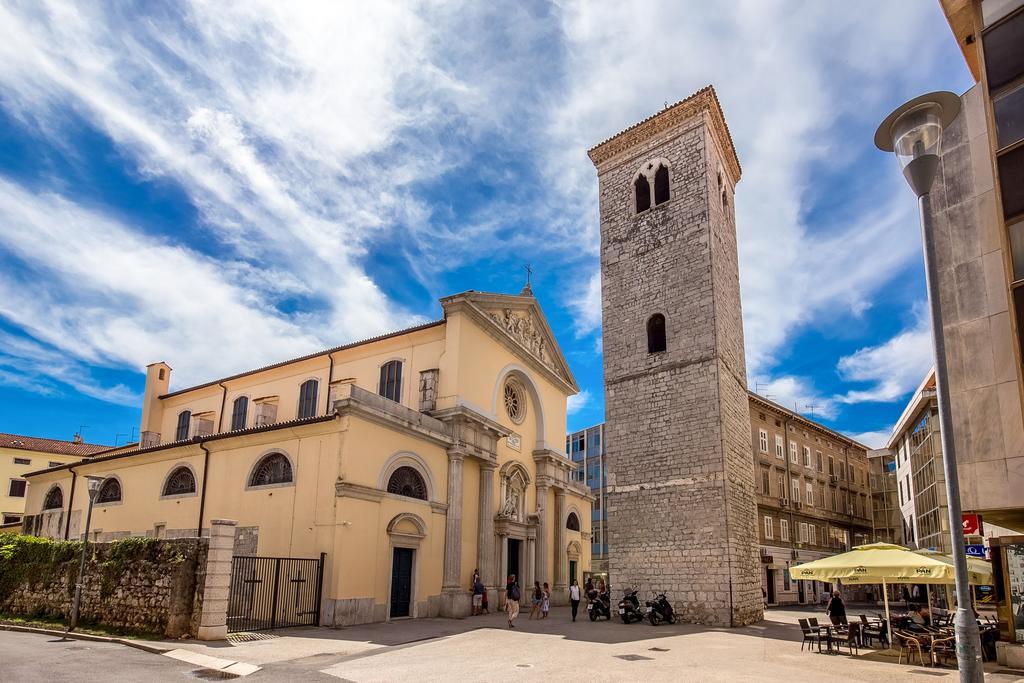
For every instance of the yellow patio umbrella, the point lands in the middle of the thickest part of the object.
(979, 572)
(876, 563)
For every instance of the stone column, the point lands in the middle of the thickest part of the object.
(560, 589)
(543, 533)
(530, 563)
(451, 587)
(485, 528)
(213, 618)
(500, 573)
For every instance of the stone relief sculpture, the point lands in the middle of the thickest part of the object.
(510, 509)
(523, 330)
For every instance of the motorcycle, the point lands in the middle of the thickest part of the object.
(659, 609)
(600, 605)
(629, 607)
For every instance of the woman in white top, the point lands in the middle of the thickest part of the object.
(574, 597)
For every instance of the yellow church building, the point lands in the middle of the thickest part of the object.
(410, 460)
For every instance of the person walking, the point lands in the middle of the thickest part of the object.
(574, 597)
(545, 601)
(535, 599)
(512, 600)
(485, 609)
(836, 610)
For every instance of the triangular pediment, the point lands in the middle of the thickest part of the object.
(519, 323)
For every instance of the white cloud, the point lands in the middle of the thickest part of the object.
(587, 306)
(797, 394)
(893, 369)
(793, 81)
(876, 439)
(576, 402)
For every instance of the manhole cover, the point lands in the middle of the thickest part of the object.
(633, 658)
(658, 649)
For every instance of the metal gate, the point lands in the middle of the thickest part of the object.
(274, 592)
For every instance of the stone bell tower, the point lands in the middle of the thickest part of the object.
(681, 507)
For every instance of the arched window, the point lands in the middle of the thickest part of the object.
(643, 193)
(573, 522)
(184, 418)
(110, 491)
(180, 482)
(391, 380)
(272, 469)
(54, 499)
(656, 333)
(307, 398)
(661, 185)
(239, 411)
(406, 481)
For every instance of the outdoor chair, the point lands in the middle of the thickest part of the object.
(942, 648)
(908, 644)
(810, 635)
(871, 631)
(851, 641)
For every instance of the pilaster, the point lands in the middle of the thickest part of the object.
(485, 527)
(213, 619)
(451, 589)
(543, 534)
(560, 588)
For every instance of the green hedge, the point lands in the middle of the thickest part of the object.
(29, 560)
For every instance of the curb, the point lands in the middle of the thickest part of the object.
(138, 645)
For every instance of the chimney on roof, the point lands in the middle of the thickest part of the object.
(77, 438)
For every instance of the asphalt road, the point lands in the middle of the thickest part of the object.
(36, 657)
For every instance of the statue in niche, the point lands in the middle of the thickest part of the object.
(510, 509)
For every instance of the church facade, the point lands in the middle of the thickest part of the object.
(410, 460)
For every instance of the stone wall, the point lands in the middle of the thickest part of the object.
(139, 584)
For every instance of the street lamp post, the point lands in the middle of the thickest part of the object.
(94, 487)
(914, 133)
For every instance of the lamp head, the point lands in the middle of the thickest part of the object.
(914, 132)
(93, 482)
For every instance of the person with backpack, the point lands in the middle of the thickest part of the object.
(512, 597)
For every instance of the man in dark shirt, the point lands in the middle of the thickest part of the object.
(836, 610)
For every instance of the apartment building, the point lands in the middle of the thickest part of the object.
(813, 497)
(886, 521)
(586, 450)
(20, 455)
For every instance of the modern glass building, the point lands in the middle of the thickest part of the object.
(586, 450)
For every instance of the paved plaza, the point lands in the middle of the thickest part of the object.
(476, 649)
(482, 649)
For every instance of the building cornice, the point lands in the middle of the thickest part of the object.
(704, 101)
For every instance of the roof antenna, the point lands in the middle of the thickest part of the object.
(811, 407)
(77, 438)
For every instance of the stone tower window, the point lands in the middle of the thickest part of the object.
(643, 193)
(656, 333)
(661, 185)
(406, 481)
(573, 522)
(515, 401)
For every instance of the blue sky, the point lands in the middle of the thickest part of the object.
(223, 185)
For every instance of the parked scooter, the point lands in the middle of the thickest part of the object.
(600, 605)
(629, 607)
(660, 609)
